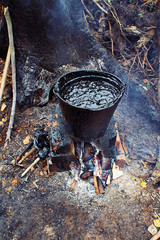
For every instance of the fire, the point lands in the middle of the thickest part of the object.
(88, 165)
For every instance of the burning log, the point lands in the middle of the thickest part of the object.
(90, 165)
(100, 186)
(96, 184)
(86, 175)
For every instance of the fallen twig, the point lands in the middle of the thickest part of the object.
(115, 15)
(111, 37)
(146, 58)
(133, 63)
(139, 60)
(89, 13)
(20, 165)
(27, 170)
(99, 6)
(7, 63)
(11, 43)
(156, 237)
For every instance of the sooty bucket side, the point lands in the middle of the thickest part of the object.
(86, 122)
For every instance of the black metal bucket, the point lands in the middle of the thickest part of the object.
(87, 124)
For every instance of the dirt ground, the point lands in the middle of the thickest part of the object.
(39, 206)
(43, 207)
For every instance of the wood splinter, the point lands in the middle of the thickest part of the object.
(27, 170)
(27, 155)
(73, 184)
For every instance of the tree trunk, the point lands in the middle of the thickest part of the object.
(51, 37)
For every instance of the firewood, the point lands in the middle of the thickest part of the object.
(96, 184)
(27, 155)
(27, 170)
(25, 150)
(100, 186)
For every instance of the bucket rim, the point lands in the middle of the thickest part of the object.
(56, 87)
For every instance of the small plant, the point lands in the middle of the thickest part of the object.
(109, 1)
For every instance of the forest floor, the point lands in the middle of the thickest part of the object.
(42, 206)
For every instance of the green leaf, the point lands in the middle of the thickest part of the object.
(145, 88)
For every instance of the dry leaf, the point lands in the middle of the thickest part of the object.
(4, 119)
(143, 184)
(144, 164)
(133, 178)
(14, 181)
(26, 140)
(157, 222)
(3, 107)
(145, 80)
